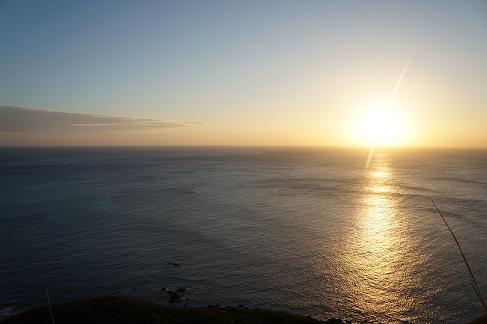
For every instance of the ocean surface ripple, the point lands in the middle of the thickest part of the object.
(306, 230)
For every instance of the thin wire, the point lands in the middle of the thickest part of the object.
(476, 286)
(462, 276)
(49, 303)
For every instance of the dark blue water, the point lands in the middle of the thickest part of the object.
(306, 230)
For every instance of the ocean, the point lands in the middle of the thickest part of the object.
(313, 231)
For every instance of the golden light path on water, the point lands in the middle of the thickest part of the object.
(381, 263)
(377, 251)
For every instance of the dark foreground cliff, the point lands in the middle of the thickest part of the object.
(109, 310)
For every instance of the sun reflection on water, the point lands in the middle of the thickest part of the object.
(377, 267)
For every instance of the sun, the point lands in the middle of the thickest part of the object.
(381, 126)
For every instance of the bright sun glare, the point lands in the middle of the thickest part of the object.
(381, 126)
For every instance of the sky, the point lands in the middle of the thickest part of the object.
(273, 73)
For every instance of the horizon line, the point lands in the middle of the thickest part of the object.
(357, 147)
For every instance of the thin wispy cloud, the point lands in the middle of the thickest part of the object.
(27, 120)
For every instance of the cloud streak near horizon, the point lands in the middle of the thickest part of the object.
(27, 120)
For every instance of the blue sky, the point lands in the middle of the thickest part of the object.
(220, 61)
